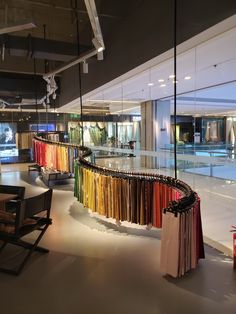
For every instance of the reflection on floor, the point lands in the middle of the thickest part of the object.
(97, 267)
(15, 167)
(218, 200)
(221, 172)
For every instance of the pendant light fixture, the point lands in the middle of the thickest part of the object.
(85, 67)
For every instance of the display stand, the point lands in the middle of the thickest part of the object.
(34, 167)
(50, 177)
(142, 198)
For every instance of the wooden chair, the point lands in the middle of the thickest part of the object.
(32, 214)
(12, 189)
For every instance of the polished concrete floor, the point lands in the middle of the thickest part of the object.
(97, 267)
(218, 200)
(221, 172)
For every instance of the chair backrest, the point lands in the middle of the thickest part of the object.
(12, 189)
(26, 214)
(38, 203)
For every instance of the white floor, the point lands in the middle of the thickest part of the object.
(95, 267)
(218, 200)
(221, 172)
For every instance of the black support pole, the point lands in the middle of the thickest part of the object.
(80, 80)
(175, 84)
(45, 69)
(36, 94)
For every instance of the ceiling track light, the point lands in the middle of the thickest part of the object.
(100, 56)
(85, 67)
(97, 44)
(2, 105)
(94, 20)
(51, 90)
(53, 83)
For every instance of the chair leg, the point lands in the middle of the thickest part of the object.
(31, 250)
(3, 246)
(31, 247)
(28, 246)
(4, 270)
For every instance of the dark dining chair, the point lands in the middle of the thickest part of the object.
(31, 214)
(13, 189)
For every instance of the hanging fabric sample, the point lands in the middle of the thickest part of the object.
(146, 201)
(55, 156)
(24, 140)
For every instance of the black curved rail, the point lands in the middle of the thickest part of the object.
(187, 200)
(181, 215)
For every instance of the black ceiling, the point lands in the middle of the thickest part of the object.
(52, 42)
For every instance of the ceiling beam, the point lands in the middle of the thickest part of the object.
(16, 27)
(39, 48)
(70, 9)
(20, 65)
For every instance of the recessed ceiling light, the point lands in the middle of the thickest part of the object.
(175, 81)
(163, 85)
(161, 80)
(150, 84)
(171, 76)
(187, 77)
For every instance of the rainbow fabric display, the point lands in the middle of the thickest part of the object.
(145, 200)
(181, 241)
(134, 200)
(55, 156)
(139, 198)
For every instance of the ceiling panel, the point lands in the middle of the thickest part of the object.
(212, 63)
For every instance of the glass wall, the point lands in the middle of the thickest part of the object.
(205, 121)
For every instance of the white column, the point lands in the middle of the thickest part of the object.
(155, 130)
(147, 133)
(162, 123)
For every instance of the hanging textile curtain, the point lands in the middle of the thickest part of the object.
(55, 156)
(142, 201)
